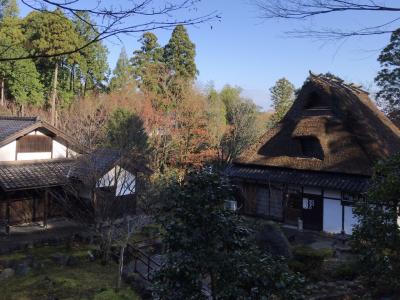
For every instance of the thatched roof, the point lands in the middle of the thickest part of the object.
(332, 126)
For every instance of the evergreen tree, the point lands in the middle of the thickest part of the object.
(122, 73)
(208, 244)
(90, 72)
(376, 237)
(388, 79)
(125, 132)
(282, 97)
(148, 65)
(20, 80)
(179, 55)
(51, 33)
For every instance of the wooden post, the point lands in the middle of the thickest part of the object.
(34, 203)
(45, 207)
(8, 217)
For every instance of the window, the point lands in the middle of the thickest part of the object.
(231, 205)
(308, 203)
(311, 147)
(34, 143)
(315, 101)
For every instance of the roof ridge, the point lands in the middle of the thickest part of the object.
(333, 79)
(17, 118)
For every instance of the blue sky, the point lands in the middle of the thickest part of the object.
(252, 53)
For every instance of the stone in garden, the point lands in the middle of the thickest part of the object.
(271, 237)
(7, 273)
(22, 268)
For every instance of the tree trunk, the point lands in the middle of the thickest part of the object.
(2, 92)
(121, 267)
(54, 96)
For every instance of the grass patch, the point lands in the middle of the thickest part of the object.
(85, 280)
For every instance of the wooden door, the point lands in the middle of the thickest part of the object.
(293, 208)
(312, 212)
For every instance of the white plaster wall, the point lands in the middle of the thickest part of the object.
(332, 218)
(72, 153)
(59, 150)
(349, 219)
(312, 190)
(335, 194)
(7, 152)
(33, 155)
(108, 180)
(126, 182)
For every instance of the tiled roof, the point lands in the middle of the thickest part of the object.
(342, 182)
(12, 125)
(33, 174)
(92, 166)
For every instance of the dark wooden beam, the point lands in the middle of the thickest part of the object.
(45, 207)
(8, 217)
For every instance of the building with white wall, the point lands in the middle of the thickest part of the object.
(38, 162)
(318, 160)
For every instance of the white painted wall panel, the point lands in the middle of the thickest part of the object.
(33, 155)
(312, 190)
(332, 219)
(108, 180)
(7, 152)
(59, 150)
(349, 219)
(335, 194)
(126, 183)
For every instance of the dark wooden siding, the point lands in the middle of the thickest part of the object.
(34, 143)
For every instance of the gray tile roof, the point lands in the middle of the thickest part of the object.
(342, 182)
(21, 175)
(94, 165)
(11, 125)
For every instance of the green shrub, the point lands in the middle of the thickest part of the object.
(347, 271)
(309, 261)
(110, 294)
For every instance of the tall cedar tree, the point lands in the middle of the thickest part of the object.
(122, 74)
(50, 33)
(282, 97)
(20, 80)
(91, 69)
(208, 245)
(180, 53)
(148, 67)
(376, 237)
(388, 79)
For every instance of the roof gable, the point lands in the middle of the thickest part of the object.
(339, 119)
(12, 128)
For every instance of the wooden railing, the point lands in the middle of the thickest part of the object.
(139, 255)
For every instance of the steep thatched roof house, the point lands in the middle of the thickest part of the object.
(318, 159)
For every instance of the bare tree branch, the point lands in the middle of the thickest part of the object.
(109, 21)
(307, 9)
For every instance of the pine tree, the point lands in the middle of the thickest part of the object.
(122, 74)
(388, 79)
(180, 53)
(282, 97)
